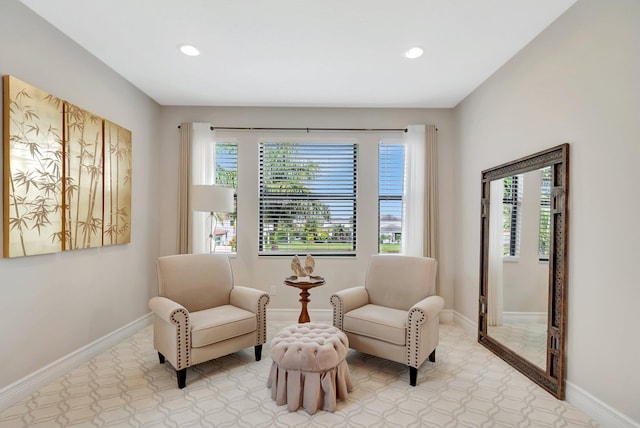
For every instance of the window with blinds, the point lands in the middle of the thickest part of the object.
(391, 180)
(307, 198)
(226, 173)
(544, 240)
(511, 205)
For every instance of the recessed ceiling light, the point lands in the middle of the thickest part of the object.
(414, 53)
(189, 50)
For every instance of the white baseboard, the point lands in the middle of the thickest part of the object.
(470, 327)
(29, 384)
(601, 412)
(535, 317)
(447, 316)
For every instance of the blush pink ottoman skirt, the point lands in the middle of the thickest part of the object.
(309, 369)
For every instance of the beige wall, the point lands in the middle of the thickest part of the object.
(52, 305)
(264, 272)
(577, 82)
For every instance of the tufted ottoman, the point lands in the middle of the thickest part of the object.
(309, 367)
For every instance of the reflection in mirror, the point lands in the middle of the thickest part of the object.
(522, 305)
(519, 271)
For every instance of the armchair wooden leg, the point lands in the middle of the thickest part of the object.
(161, 358)
(413, 376)
(432, 356)
(182, 378)
(258, 349)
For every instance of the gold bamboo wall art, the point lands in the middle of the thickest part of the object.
(117, 184)
(67, 175)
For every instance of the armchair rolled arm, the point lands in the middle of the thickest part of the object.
(166, 309)
(347, 300)
(248, 298)
(252, 300)
(426, 309)
(420, 313)
(177, 315)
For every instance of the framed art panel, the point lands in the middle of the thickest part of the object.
(83, 143)
(33, 170)
(117, 184)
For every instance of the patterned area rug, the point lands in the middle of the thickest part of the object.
(525, 338)
(126, 386)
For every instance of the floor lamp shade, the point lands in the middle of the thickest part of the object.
(212, 198)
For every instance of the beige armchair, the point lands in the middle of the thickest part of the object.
(200, 315)
(395, 315)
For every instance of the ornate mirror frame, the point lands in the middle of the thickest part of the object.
(552, 378)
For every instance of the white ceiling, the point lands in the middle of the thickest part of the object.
(303, 53)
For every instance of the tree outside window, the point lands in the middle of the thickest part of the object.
(307, 198)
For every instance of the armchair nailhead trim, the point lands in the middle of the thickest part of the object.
(416, 317)
(338, 310)
(181, 319)
(262, 318)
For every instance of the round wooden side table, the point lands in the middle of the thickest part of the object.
(304, 286)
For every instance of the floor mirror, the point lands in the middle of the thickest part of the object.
(523, 265)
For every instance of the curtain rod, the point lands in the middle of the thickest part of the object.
(230, 128)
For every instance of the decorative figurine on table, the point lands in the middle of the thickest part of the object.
(303, 273)
(304, 280)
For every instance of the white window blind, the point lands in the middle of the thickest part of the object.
(544, 240)
(391, 189)
(307, 198)
(512, 204)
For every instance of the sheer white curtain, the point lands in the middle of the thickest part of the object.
(413, 218)
(495, 281)
(420, 222)
(431, 194)
(197, 154)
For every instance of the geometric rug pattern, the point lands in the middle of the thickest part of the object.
(467, 386)
(528, 339)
